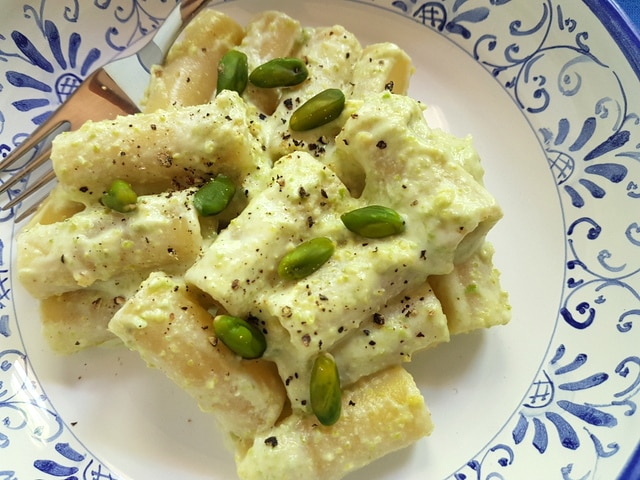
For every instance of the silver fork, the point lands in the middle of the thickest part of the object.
(99, 97)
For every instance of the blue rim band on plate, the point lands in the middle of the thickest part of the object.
(632, 9)
(622, 20)
(623, 24)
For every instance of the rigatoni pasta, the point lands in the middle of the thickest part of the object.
(172, 331)
(160, 151)
(269, 35)
(186, 77)
(97, 244)
(300, 448)
(364, 298)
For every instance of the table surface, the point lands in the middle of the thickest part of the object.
(632, 9)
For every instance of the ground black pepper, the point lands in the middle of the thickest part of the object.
(271, 441)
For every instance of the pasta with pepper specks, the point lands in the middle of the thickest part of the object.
(158, 277)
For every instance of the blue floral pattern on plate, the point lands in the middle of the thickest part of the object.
(585, 116)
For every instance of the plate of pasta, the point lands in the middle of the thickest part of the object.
(342, 239)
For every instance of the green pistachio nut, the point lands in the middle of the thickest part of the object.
(233, 72)
(306, 258)
(373, 221)
(279, 72)
(120, 197)
(240, 336)
(318, 110)
(214, 196)
(324, 389)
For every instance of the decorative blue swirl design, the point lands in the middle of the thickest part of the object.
(488, 462)
(139, 14)
(545, 406)
(72, 464)
(65, 69)
(552, 409)
(21, 402)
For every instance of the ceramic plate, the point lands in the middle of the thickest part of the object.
(549, 91)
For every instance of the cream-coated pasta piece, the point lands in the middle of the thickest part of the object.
(166, 149)
(406, 324)
(330, 54)
(380, 414)
(77, 320)
(172, 331)
(269, 35)
(440, 201)
(381, 66)
(239, 269)
(443, 203)
(55, 207)
(188, 74)
(471, 295)
(97, 244)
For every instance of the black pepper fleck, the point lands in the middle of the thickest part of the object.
(271, 441)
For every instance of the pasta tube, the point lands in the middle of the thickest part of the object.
(404, 325)
(408, 323)
(188, 75)
(160, 151)
(381, 66)
(380, 414)
(171, 331)
(269, 35)
(97, 244)
(444, 204)
(330, 54)
(471, 295)
(76, 320)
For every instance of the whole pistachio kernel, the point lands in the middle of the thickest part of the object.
(233, 72)
(240, 336)
(279, 72)
(120, 197)
(325, 394)
(214, 196)
(306, 258)
(318, 110)
(373, 221)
